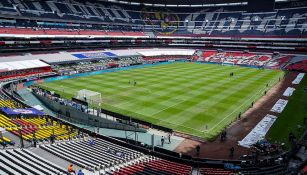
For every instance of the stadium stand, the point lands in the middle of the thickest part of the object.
(155, 166)
(214, 171)
(57, 24)
(227, 21)
(22, 161)
(298, 66)
(6, 123)
(7, 103)
(43, 130)
(93, 156)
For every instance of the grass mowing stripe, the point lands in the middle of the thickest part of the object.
(181, 96)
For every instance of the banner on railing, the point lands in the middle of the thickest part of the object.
(17, 111)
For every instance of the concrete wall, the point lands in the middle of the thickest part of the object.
(73, 115)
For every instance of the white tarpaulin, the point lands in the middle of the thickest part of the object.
(298, 78)
(279, 106)
(258, 132)
(289, 91)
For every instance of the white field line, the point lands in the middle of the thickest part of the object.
(161, 120)
(169, 107)
(259, 92)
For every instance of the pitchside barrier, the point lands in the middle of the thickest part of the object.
(131, 119)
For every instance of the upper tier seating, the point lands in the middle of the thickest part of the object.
(30, 31)
(214, 21)
(20, 162)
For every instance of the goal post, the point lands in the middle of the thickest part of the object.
(92, 97)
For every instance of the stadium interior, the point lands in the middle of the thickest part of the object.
(142, 87)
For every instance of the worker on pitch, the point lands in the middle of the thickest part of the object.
(134, 82)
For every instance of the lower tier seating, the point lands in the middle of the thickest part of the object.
(6, 141)
(7, 104)
(6, 123)
(155, 166)
(42, 128)
(92, 154)
(214, 171)
(18, 162)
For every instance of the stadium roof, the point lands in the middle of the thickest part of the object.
(185, 3)
(180, 3)
(177, 3)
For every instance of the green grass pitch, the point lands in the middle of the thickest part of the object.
(198, 99)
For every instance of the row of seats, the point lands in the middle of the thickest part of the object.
(4, 141)
(195, 22)
(93, 154)
(155, 166)
(30, 31)
(276, 170)
(25, 162)
(45, 132)
(215, 171)
(237, 58)
(299, 66)
(163, 58)
(40, 126)
(7, 103)
(5, 122)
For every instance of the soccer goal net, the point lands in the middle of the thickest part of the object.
(89, 96)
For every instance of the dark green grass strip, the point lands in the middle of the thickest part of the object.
(186, 97)
(292, 117)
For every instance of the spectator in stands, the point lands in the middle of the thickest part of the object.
(70, 169)
(108, 150)
(4, 144)
(80, 172)
(119, 154)
(91, 142)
